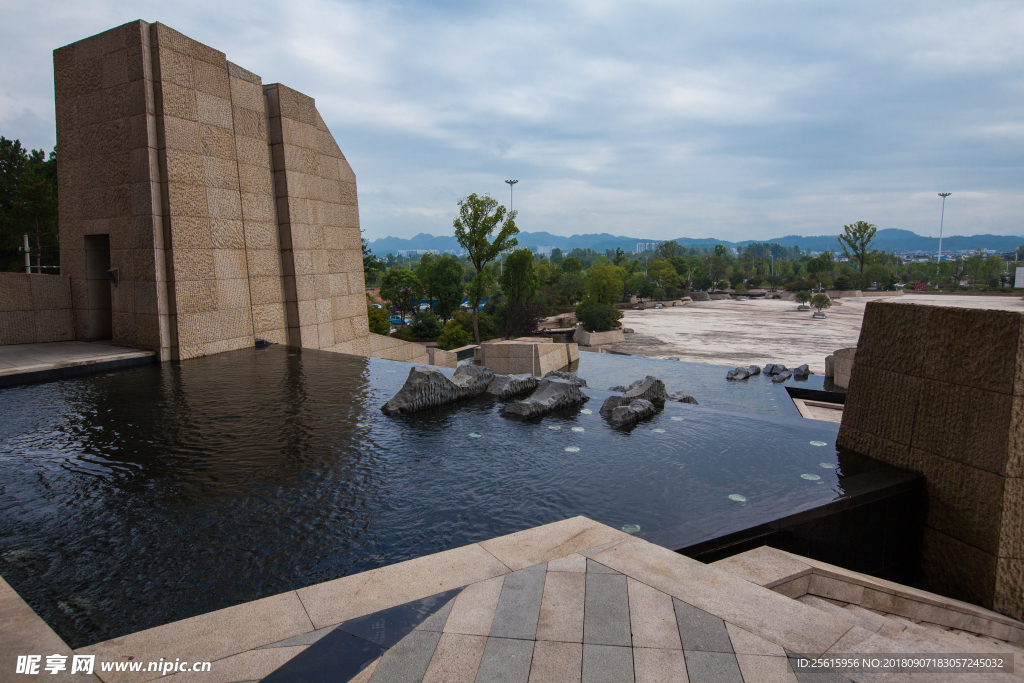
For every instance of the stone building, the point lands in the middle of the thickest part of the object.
(200, 210)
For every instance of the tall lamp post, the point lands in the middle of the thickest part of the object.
(510, 184)
(942, 218)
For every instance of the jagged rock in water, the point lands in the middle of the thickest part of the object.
(782, 376)
(551, 394)
(672, 358)
(618, 388)
(427, 387)
(649, 388)
(633, 412)
(682, 397)
(801, 372)
(507, 386)
(738, 373)
(754, 370)
(774, 369)
(568, 376)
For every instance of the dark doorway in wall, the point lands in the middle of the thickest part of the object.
(97, 275)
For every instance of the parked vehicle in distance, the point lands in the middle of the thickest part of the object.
(376, 306)
(395, 320)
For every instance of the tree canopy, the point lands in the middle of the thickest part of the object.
(856, 242)
(478, 218)
(28, 205)
(399, 288)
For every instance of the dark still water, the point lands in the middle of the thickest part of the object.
(144, 496)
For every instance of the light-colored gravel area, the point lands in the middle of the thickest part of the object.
(759, 331)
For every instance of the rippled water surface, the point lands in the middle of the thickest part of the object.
(140, 497)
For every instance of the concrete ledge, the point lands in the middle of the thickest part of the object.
(584, 338)
(795, 576)
(49, 372)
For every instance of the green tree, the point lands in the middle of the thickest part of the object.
(477, 220)
(399, 288)
(447, 285)
(596, 316)
(667, 250)
(556, 255)
(574, 282)
(856, 243)
(28, 204)
(605, 283)
(372, 266)
(663, 275)
(803, 297)
(518, 280)
(378, 319)
(821, 301)
(519, 285)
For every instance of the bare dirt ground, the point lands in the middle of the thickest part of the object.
(760, 331)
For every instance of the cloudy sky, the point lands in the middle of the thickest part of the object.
(736, 120)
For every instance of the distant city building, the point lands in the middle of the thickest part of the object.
(646, 246)
(544, 251)
(416, 252)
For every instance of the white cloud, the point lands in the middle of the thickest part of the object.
(741, 120)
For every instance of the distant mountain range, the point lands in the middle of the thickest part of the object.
(891, 240)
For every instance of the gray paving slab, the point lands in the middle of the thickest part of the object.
(607, 664)
(606, 611)
(712, 667)
(438, 619)
(505, 660)
(699, 630)
(598, 568)
(408, 659)
(304, 639)
(519, 604)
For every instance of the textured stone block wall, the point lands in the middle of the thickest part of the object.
(195, 118)
(941, 391)
(35, 308)
(106, 175)
(318, 217)
(166, 148)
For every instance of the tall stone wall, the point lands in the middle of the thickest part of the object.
(230, 210)
(319, 221)
(941, 391)
(35, 308)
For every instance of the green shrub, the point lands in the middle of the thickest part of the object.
(453, 336)
(803, 297)
(427, 327)
(486, 322)
(378, 318)
(741, 288)
(596, 316)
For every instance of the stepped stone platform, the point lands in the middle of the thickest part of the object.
(570, 601)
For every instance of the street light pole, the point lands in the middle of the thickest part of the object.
(510, 184)
(942, 219)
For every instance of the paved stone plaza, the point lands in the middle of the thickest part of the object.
(759, 331)
(569, 601)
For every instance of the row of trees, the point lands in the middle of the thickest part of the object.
(521, 287)
(28, 205)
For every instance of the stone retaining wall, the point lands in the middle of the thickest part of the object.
(35, 308)
(584, 338)
(940, 391)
